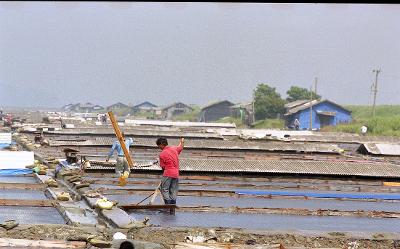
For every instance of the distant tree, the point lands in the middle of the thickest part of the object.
(299, 93)
(267, 102)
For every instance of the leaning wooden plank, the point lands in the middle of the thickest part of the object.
(118, 133)
(9, 243)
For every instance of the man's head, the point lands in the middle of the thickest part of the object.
(162, 143)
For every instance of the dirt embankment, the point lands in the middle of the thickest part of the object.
(168, 237)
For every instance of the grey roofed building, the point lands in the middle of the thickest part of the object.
(97, 107)
(87, 107)
(117, 105)
(244, 111)
(67, 107)
(215, 111)
(145, 106)
(175, 109)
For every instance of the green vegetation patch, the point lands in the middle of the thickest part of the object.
(385, 123)
(269, 124)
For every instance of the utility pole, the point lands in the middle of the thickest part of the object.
(375, 89)
(311, 98)
(254, 117)
(315, 87)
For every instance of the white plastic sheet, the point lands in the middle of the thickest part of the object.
(16, 159)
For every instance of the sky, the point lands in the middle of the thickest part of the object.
(56, 53)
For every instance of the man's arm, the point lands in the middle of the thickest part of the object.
(111, 151)
(181, 145)
(130, 141)
(161, 162)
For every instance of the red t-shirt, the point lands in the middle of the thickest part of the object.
(169, 161)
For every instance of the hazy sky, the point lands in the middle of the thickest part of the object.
(54, 53)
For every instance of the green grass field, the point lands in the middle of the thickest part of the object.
(191, 116)
(385, 123)
(269, 124)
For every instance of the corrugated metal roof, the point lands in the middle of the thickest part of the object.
(216, 103)
(382, 149)
(212, 144)
(178, 124)
(311, 103)
(128, 132)
(174, 104)
(302, 107)
(344, 138)
(296, 103)
(340, 168)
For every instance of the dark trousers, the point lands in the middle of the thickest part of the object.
(169, 189)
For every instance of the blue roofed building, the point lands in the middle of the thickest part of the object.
(324, 113)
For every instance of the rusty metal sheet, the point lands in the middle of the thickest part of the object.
(382, 149)
(332, 167)
(211, 144)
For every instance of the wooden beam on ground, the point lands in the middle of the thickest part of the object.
(33, 186)
(134, 206)
(24, 243)
(391, 184)
(120, 138)
(278, 211)
(27, 203)
(182, 192)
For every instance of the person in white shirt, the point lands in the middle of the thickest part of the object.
(364, 129)
(296, 124)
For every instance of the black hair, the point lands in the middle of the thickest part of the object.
(126, 245)
(162, 141)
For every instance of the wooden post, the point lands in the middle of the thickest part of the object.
(120, 138)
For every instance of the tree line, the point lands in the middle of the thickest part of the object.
(268, 103)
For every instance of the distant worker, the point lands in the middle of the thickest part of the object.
(62, 123)
(104, 118)
(122, 165)
(364, 130)
(296, 124)
(169, 162)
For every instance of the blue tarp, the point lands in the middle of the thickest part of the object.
(4, 145)
(14, 172)
(323, 195)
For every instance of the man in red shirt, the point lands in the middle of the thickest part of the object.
(169, 162)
